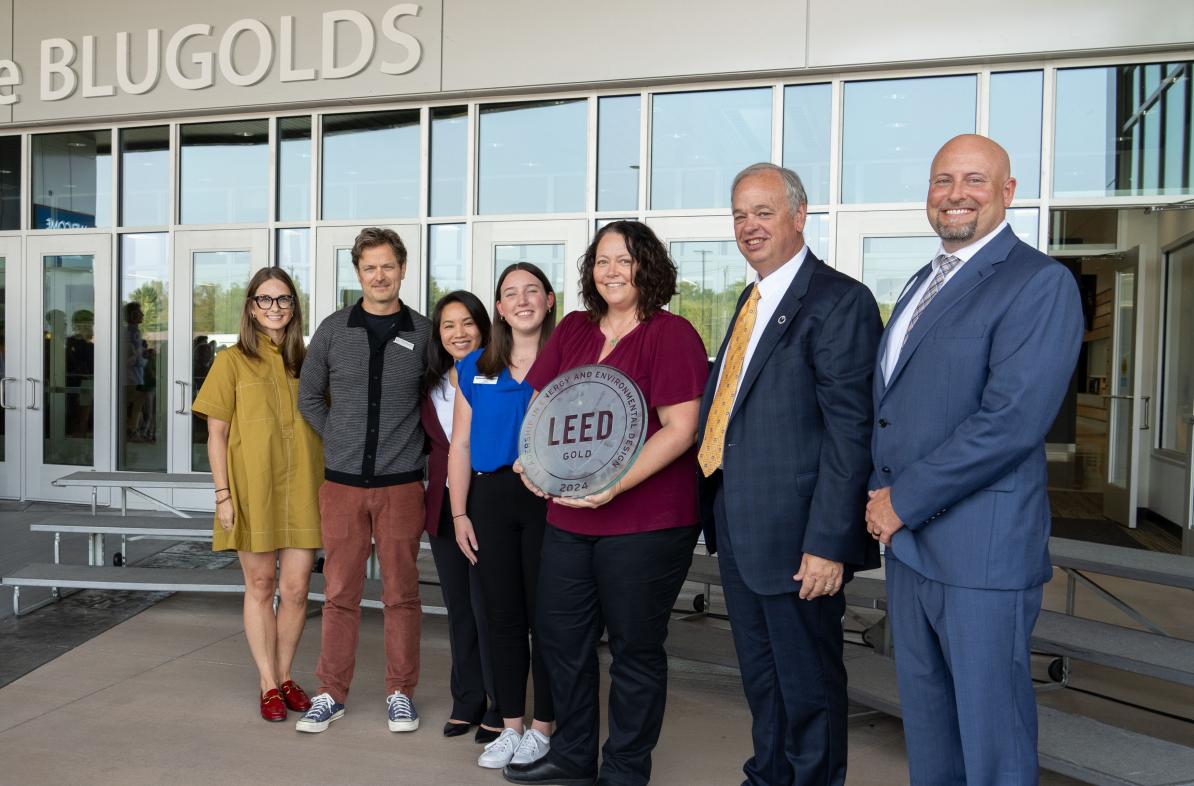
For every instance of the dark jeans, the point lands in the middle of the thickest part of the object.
(468, 632)
(508, 522)
(628, 584)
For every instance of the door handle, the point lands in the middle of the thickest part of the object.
(182, 404)
(1144, 414)
(33, 382)
(4, 392)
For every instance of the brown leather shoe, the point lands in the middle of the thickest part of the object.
(272, 706)
(296, 698)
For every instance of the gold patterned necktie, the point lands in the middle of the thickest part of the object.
(713, 442)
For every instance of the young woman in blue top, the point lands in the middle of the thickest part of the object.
(499, 524)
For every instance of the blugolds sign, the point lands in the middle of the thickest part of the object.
(244, 53)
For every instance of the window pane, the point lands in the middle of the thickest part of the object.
(348, 286)
(711, 275)
(1108, 136)
(548, 257)
(888, 263)
(145, 176)
(68, 380)
(699, 141)
(225, 172)
(371, 165)
(532, 157)
(892, 129)
(806, 137)
(1025, 223)
(449, 159)
(72, 180)
(1016, 124)
(617, 153)
(294, 256)
(142, 345)
(446, 261)
(816, 235)
(294, 169)
(1177, 387)
(10, 182)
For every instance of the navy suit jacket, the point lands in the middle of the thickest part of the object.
(963, 418)
(797, 446)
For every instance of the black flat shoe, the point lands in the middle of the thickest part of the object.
(485, 736)
(545, 771)
(454, 729)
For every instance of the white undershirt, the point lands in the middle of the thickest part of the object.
(443, 398)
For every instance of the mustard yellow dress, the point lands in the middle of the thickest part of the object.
(275, 460)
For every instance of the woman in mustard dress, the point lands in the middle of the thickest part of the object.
(267, 465)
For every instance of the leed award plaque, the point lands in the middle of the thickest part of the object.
(583, 431)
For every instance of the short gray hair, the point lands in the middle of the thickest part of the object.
(797, 197)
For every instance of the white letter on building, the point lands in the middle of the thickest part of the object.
(153, 63)
(364, 27)
(90, 88)
(10, 76)
(203, 59)
(286, 56)
(389, 28)
(50, 66)
(265, 52)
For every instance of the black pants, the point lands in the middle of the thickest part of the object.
(468, 630)
(628, 584)
(508, 522)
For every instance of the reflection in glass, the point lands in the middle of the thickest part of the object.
(142, 346)
(68, 367)
(145, 176)
(888, 263)
(1123, 131)
(892, 128)
(1177, 371)
(348, 286)
(532, 157)
(700, 140)
(219, 280)
(806, 137)
(371, 165)
(294, 168)
(10, 182)
(72, 180)
(1015, 123)
(617, 152)
(225, 172)
(548, 257)
(447, 255)
(816, 235)
(294, 256)
(1122, 385)
(449, 157)
(711, 276)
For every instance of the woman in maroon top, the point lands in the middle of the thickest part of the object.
(619, 557)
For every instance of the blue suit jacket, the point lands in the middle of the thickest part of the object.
(962, 421)
(797, 445)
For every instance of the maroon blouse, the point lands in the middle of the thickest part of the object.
(666, 358)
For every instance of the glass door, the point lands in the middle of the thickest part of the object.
(336, 283)
(67, 374)
(12, 387)
(1126, 410)
(212, 269)
(884, 250)
(554, 246)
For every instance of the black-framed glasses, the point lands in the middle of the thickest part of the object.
(266, 302)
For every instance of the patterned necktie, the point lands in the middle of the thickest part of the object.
(942, 265)
(719, 414)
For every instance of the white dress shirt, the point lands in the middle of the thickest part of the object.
(898, 329)
(771, 291)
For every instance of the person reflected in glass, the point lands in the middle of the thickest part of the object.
(617, 558)
(80, 373)
(461, 326)
(267, 464)
(132, 350)
(499, 523)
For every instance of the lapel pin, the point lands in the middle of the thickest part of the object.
(782, 319)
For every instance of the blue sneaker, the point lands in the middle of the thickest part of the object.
(401, 712)
(323, 711)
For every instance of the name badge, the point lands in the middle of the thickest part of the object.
(481, 380)
(400, 341)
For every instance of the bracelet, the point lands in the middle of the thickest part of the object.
(225, 499)
(458, 515)
(223, 489)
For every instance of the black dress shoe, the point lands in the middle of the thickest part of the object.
(485, 736)
(544, 771)
(454, 729)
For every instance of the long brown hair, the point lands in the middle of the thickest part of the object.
(294, 351)
(501, 343)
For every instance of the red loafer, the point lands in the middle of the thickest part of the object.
(296, 698)
(272, 706)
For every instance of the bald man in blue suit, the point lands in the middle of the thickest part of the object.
(971, 372)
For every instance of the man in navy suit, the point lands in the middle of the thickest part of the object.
(785, 431)
(970, 375)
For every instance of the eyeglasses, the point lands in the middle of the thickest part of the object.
(266, 302)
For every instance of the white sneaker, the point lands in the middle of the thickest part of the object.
(498, 753)
(534, 746)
